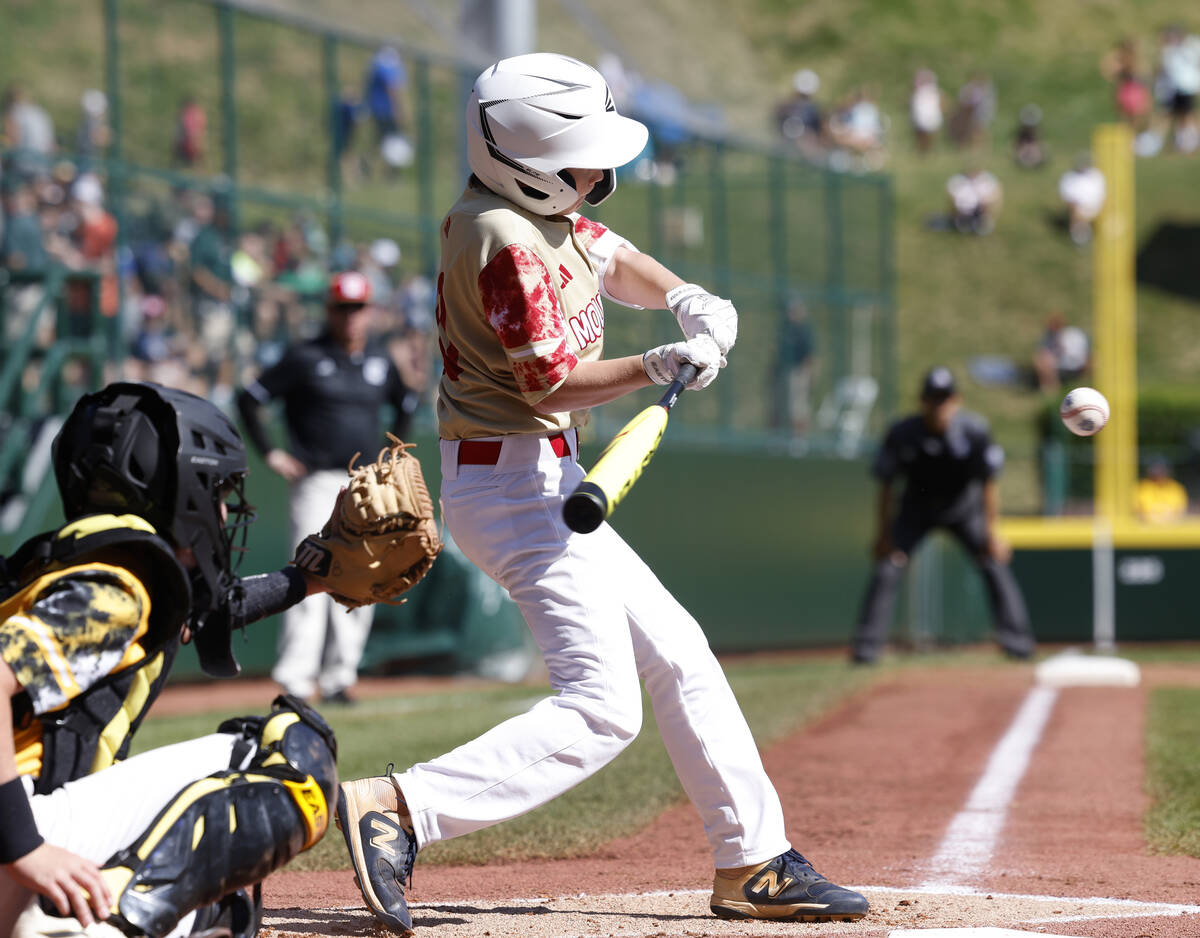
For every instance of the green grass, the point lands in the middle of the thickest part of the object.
(1173, 771)
(620, 799)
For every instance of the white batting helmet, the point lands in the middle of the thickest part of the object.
(532, 116)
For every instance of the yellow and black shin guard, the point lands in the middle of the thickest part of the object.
(231, 829)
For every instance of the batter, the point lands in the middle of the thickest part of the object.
(520, 320)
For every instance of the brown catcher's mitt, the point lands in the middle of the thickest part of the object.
(381, 538)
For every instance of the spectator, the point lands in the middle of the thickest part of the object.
(1131, 91)
(856, 129)
(799, 117)
(210, 260)
(975, 199)
(926, 108)
(664, 109)
(1062, 356)
(28, 130)
(796, 351)
(22, 247)
(299, 268)
(383, 95)
(23, 252)
(334, 389)
(156, 352)
(1029, 151)
(1082, 190)
(347, 111)
(92, 137)
(949, 464)
(975, 111)
(377, 262)
(411, 345)
(96, 239)
(1159, 497)
(191, 128)
(1179, 61)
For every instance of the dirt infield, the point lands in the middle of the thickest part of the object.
(869, 792)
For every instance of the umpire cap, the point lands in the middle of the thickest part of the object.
(349, 288)
(938, 384)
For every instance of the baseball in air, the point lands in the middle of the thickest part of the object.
(1084, 411)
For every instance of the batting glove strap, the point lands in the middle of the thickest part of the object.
(698, 312)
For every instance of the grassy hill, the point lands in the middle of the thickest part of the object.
(957, 297)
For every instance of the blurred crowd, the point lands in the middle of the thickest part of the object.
(1157, 100)
(192, 291)
(188, 296)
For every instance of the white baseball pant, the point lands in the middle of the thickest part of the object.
(602, 621)
(320, 642)
(97, 815)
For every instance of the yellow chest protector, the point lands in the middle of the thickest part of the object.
(92, 729)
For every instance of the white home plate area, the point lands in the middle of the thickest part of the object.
(894, 913)
(943, 895)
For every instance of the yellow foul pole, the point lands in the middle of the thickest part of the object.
(1114, 323)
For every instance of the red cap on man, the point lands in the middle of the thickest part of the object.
(349, 288)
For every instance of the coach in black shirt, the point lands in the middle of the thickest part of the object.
(334, 389)
(949, 464)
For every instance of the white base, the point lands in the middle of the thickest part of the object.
(1072, 669)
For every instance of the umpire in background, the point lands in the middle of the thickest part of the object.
(333, 388)
(950, 464)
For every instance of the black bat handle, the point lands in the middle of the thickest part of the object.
(685, 376)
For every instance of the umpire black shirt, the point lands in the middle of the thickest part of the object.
(944, 472)
(332, 401)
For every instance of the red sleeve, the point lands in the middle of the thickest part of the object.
(588, 232)
(522, 307)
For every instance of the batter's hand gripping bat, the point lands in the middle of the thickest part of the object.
(623, 460)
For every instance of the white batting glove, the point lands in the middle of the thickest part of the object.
(698, 312)
(662, 363)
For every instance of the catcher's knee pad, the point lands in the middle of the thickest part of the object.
(231, 829)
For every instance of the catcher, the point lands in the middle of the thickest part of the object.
(91, 618)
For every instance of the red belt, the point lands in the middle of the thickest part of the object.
(487, 452)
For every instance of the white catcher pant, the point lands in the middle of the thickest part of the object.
(602, 621)
(99, 814)
(320, 642)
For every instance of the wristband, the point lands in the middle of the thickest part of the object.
(18, 830)
(269, 593)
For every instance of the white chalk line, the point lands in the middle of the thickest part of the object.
(1136, 907)
(971, 837)
(1139, 908)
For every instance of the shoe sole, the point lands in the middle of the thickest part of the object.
(346, 823)
(782, 913)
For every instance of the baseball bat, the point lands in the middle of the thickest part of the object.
(623, 460)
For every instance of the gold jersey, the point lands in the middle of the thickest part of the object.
(518, 307)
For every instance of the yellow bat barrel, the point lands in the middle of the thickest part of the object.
(615, 471)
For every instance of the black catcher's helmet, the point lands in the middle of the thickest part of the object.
(172, 458)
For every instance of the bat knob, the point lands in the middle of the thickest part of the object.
(585, 508)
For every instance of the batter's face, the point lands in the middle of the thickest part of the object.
(585, 181)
